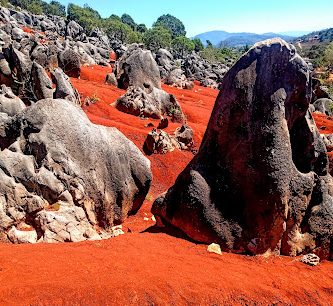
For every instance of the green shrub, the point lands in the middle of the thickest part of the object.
(182, 45)
(156, 38)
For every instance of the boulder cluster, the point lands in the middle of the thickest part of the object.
(62, 178)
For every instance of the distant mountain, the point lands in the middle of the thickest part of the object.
(237, 39)
(295, 33)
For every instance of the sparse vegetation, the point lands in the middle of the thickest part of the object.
(219, 55)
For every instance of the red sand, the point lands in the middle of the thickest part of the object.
(153, 268)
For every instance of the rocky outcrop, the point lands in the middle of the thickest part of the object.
(176, 78)
(160, 142)
(41, 83)
(64, 87)
(324, 106)
(137, 68)
(138, 72)
(259, 183)
(69, 62)
(208, 74)
(151, 103)
(63, 178)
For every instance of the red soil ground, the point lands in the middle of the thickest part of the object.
(148, 268)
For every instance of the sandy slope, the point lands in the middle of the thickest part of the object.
(146, 268)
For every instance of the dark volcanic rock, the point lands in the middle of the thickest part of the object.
(69, 62)
(324, 105)
(137, 68)
(62, 175)
(260, 181)
(40, 82)
(64, 87)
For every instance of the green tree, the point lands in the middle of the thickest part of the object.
(55, 8)
(198, 45)
(127, 19)
(35, 7)
(134, 37)
(85, 16)
(328, 55)
(173, 24)
(156, 38)
(117, 29)
(209, 44)
(141, 28)
(182, 45)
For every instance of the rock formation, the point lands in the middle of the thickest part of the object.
(137, 71)
(62, 177)
(260, 182)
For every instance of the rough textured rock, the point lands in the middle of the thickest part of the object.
(64, 176)
(165, 62)
(9, 103)
(260, 182)
(64, 87)
(324, 106)
(111, 79)
(40, 82)
(184, 136)
(159, 142)
(176, 78)
(137, 68)
(69, 62)
(149, 102)
(311, 259)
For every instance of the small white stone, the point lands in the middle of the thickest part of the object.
(214, 248)
(311, 259)
(146, 219)
(17, 236)
(153, 218)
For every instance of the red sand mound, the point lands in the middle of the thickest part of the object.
(153, 268)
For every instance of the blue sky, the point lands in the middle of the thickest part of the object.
(257, 16)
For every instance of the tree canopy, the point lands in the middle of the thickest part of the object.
(157, 37)
(173, 24)
(182, 45)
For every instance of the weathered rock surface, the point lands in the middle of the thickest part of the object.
(152, 102)
(160, 142)
(41, 83)
(176, 78)
(260, 182)
(324, 106)
(9, 103)
(137, 68)
(64, 176)
(137, 71)
(69, 62)
(64, 87)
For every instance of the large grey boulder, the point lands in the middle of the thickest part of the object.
(64, 87)
(324, 106)
(138, 72)
(64, 177)
(9, 103)
(137, 68)
(40, 82)
(259, 183)
(149, 103)
(69, 62)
